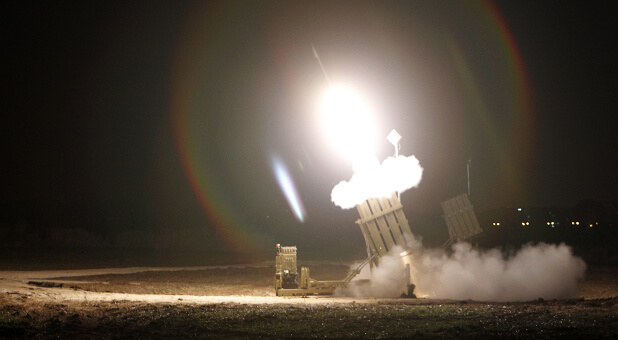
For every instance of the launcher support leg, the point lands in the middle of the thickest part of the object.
(409, 284)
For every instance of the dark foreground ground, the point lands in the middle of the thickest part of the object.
(123, 319)
(594, 314)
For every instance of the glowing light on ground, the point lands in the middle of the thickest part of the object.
(288, 188)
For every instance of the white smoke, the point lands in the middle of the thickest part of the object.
(387, 280)
(535, 271)
(373, 180)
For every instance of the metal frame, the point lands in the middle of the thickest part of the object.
(383, 225)
(460, 219)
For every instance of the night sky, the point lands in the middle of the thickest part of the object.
(158, 115)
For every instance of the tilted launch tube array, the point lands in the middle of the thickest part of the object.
(384, 225)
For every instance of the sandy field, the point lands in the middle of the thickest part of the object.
(238, 301)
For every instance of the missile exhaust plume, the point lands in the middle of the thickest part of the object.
(373, 180)
(315, 54)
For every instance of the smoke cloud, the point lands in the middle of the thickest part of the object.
(535, 271)
(388, 279)
(372, 180)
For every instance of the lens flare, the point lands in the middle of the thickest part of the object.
(288, 188)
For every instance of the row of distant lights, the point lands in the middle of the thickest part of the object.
(589, 226)
(552, 224)
(522, 223)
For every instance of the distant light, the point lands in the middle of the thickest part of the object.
(548, 223)
(577, 222)
(518, 209)
(527, 223)
(572, 223)
(552, 223)
(523, 223)
(590, 225)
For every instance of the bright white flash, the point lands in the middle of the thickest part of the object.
(288, 188)
(373, 180)
(348, 123)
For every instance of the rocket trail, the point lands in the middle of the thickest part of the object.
(315, 54)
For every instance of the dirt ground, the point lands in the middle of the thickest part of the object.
(238, 302)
